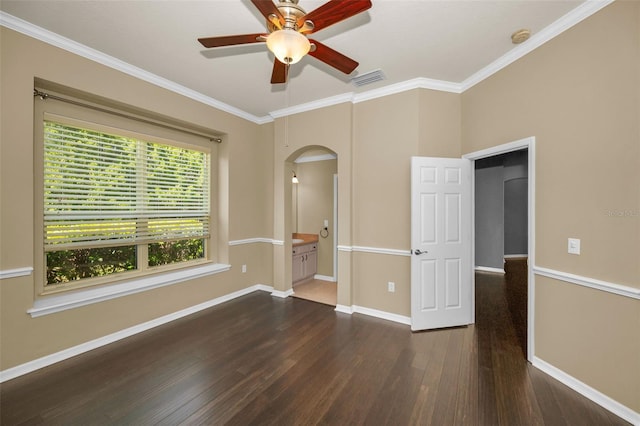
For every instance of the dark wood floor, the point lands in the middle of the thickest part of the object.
(516, 292)
(264, 360)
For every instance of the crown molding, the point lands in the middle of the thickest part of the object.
(567, 21)
(49, 37)
(416, 83)
(354, 98)
(309, 106)
(577, 15)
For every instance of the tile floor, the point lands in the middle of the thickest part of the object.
(317, 291)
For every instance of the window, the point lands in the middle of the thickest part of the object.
(117, 203)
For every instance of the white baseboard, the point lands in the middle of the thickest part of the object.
(47, 360)
(596, 396)
(262, 287)
(344, 309)
(488, 269)
(380, 314)
(354, 309)
(515, 256)
(282, 294)
(324, 278)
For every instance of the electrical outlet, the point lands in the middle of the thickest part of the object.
(244, 268)
(391, 287)
(573, 246)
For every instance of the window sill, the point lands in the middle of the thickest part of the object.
(63, 302)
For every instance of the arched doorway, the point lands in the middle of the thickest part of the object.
(313, 225)
(294, 135)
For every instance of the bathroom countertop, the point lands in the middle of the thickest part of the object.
(306, 239)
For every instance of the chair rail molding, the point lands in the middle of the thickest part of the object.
(620, 290)
(17, 272)
(251, 241)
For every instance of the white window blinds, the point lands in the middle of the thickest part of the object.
(108, 190)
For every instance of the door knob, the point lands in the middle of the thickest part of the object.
(419, 252)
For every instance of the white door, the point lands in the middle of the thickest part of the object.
(441, 273)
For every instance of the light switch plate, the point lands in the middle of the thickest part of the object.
(573, 246)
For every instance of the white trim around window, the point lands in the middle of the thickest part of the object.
(58, 303)
(84, 111)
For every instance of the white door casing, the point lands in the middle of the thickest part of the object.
(529, 144)
(441, 270)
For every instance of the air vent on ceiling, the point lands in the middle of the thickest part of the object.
(368, 78)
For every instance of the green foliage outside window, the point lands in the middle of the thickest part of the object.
(168, 252)
(70, 265)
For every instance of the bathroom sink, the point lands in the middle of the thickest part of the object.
(296, 240)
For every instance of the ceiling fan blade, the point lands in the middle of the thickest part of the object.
(333, 58)
(280, 72)
(268, 8)
(332, 12)
(231, 40)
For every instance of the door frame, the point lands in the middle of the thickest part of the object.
(335, 227)
(521, 144)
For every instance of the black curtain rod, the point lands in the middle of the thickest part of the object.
(44, 96)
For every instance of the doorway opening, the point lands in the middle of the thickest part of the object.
(503, 188)
(314, 226)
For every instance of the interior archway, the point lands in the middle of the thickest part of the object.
(313, 214)
(295, 135)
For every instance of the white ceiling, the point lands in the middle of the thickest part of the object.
(454, 42)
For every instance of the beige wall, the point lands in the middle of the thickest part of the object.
(328, 128)
(374, 141)
(439, 124)
(578, 95)
(244, 207)
(315, 204)
(591, 335)
(387, 133)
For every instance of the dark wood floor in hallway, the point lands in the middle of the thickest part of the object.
(263, 360)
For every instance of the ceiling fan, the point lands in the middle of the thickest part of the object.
(288, 25)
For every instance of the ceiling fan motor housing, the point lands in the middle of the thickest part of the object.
(291, 13)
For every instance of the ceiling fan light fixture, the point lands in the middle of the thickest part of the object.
(288, 45)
